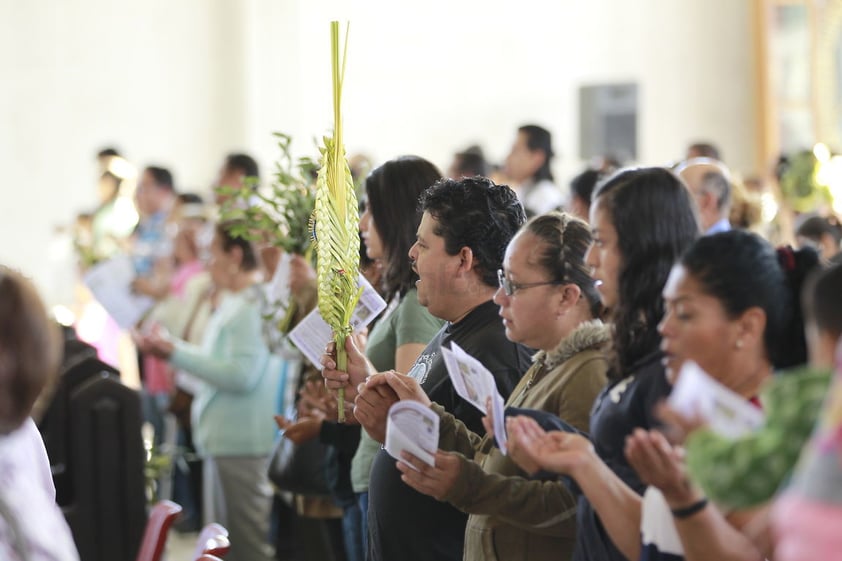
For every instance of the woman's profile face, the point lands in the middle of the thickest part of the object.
(604, 256)
(696, 327)
(529, 314)
(371, 237)
(221, 265)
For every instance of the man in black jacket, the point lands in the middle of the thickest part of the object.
(461, 240)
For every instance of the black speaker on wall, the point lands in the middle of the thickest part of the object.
(608, 121)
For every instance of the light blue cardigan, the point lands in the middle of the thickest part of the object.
(232, 413)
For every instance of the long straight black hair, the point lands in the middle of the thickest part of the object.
(392, 192)
(655, 219)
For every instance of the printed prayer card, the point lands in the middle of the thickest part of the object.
(413, 428)
(279, 293)
(312, 334)
(697, 394)
(475, 384)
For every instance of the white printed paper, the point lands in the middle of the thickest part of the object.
(275, 309)
(475, 384)
(499, 417)
(279, 293)
(468, 376)
(413, 428)
(312, 334)
(696, 394)
(110, 283)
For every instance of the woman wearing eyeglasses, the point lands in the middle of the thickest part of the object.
(643, 220)
(548, 302)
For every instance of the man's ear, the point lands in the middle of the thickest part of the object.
(466, 260)
(707, 200)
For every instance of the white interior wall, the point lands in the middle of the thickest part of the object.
(183, 83)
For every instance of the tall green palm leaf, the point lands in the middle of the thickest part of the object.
(337, 224)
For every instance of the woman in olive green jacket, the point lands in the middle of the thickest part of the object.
(547, 301)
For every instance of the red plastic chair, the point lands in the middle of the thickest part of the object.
(161, 517)
(213, 540)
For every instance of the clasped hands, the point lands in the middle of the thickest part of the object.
(373, 394)
(153, 341)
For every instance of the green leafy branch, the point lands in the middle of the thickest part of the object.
(280, 215)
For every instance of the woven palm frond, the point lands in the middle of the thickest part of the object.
(337, 224)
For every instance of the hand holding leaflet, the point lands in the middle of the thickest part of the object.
(471, 380)
(696, 394)
(312, 334)
(474, 383)
(413, 428)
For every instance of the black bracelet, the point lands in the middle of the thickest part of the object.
(689, 511)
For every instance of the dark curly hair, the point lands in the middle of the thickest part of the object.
(392, 193)
(743, 271)
(655, 219)
(477, 213)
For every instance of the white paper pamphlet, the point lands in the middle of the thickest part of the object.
(279, 293)
(274, 310)
(413, 428)
(110, 282)
(312, 334)
(697, 394)
(498, 414)
(475, 384)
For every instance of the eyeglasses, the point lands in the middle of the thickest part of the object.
(510, 288)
